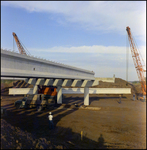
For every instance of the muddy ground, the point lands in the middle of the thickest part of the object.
(115, 126)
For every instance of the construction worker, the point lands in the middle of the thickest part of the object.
(120, 99)
(100, 141)
(134, 97)
(51, 124)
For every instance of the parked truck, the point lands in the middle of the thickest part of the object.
(46, 97)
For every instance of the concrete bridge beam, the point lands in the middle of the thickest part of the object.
(31, 81)
(49, 82)
(23, 66)
(87, 83)
(76, 83)
(58, 82)
(40, 81)
(67, 82)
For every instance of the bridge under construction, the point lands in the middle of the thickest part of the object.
(38, 71)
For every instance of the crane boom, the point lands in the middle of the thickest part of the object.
(20, 47)
(137, 61)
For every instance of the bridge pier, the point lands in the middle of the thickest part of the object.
(86, 96)
(59, 95)
(35, 88)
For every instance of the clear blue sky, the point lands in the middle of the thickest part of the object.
(86, 34)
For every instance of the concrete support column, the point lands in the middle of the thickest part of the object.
(114, 78)
(59, 95)
(86, 96)
(35, 89)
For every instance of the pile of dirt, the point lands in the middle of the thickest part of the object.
(120, 83)
(19, 139)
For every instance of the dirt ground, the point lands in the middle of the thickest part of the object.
(119, 125)
(115, 126)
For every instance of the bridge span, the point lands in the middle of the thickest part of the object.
(38, 71)
(18, 65)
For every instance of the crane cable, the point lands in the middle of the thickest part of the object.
(28, 53)
(13, 44)
(127, 58)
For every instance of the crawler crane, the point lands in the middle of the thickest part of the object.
(137, 62)
(19, 45)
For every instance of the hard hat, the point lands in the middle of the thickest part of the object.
(50, 112)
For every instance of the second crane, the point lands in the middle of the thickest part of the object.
(19, 45)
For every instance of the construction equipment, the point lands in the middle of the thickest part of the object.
(46, 97)
(19, 45)
(137, 61)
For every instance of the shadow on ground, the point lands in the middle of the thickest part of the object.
(36, 123)
(59, 135)
(79, 100)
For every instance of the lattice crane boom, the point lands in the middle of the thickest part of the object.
(20, 47)
(137, 61)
